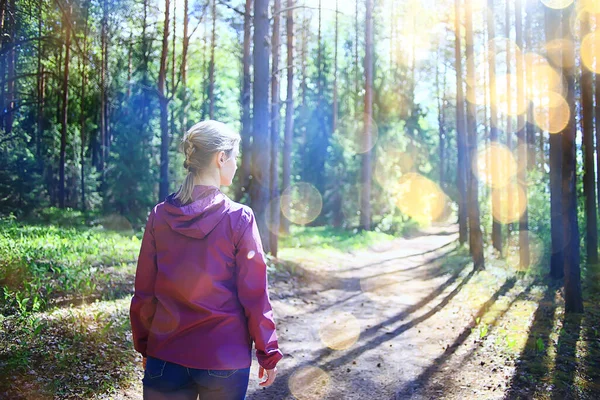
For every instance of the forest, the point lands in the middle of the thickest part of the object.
(425, 176)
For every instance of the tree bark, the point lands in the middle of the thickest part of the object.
(289, 109)
(573, 296)
(461, 139)
(509, 128)
(589, 187)
(365, 199)
(261, 146)
(556, 217)
(522, 148)
(83, 65)
(11, 67)
(65, 98)
(184, 51)
(211, 64)
(40, 87)
(476, 239)
(164, 110)
(496, 226)
(275, 128)
(245, 97)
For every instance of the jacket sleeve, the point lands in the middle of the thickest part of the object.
(253, 292)
(143, 304)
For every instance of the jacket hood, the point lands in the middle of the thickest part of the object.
(198, 218)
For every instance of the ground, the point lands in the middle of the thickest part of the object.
(404, 319)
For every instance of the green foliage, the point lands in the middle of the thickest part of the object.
(43, 264)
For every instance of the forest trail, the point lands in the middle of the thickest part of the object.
(400, 321)
(402, 299)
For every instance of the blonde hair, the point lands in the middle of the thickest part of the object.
(199, 144)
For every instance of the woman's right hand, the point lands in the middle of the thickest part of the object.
(271, 374)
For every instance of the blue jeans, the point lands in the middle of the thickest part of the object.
(165, 380)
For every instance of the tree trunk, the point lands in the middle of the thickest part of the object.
(589, 187)
(11, 66)
(509, 128)
(556, 217)
(65, 98)
(338, 215)
(522, 148)
(261, 146)
(476, 239)
(461, 139)
(365, 199)
(184, 51)
(573, 297)
(173, 56)
(164, 111)
(4, 41)
(530, 125)
(40, 87)
(103, 130)
(495, 165)
(289, 109)
(246, 121)
(275, 128)
(211, 65)
(83, 64)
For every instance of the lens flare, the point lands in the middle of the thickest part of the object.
(561, 52)
(512, 201)
(590, 6)
(552, 112)
(420, 198)
(590, 51)
(557, 4)
(309, 383)
(541, 76)
(390, 164)
(507, 99)
(340, 331)
(502, 169)
(301, 203)
(354, 138)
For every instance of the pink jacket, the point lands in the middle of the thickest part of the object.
(201, 286)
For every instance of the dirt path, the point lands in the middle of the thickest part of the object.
(392, 315)
(391, 322)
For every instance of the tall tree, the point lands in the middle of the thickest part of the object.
(475, 236)
(461, 138)
(65, 115)
(245, 97)
(495, 165)
(509, 103)
(522, 147)
(211, 64)
(275, 129)
(82, 121)
(365, 199)
(261, 146)
(183, 73)
(589, 187)
(289, 108)
(163, 101)
(555, 160)
(573, 297)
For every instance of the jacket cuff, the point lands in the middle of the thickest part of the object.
(269, 361)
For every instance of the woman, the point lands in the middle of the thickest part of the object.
(201, 283)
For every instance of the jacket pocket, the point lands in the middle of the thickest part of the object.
(155, 367)
(222, 373)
